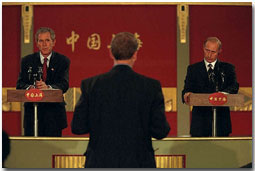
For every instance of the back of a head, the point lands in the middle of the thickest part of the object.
(123, 45)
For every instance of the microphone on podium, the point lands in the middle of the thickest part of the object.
(29, 71)
(40, 73)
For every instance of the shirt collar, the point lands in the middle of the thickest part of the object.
(121, 64)
(42, 57)
(213, 64)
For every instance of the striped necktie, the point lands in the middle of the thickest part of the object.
(211, 73)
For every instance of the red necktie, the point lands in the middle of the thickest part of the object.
(45, 69)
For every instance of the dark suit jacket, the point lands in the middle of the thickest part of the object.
(57, 78)
(197, 82)
(122, 111)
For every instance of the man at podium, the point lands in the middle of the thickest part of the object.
(209, 76)
(45, 69)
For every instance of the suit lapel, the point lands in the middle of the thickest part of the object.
(53, 61)
(36, 63)
(52, 66)
(219, 72)
(203, 72)
(37, 59)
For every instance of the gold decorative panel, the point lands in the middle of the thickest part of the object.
(78, 161)
(247, 92)
(27, 16)
(170, 161)
(9, 106)
(183, 14)
(170, 97)
(68, 161)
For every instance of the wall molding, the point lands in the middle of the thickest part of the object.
(128, 3)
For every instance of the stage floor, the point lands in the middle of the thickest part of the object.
(219, 152)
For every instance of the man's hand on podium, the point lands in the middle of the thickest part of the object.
(186, 97)
(41, 85)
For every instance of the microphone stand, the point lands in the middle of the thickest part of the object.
(214, 125)
(214, 128)
(35, 120)
(39, 73)
(35, 109)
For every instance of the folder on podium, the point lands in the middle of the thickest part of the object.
(35, 96)
(214, 100)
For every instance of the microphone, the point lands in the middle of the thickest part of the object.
(29, 71)
(35, 78)
(222, 75)
(215, 81)
(218, 83)
(40, 73)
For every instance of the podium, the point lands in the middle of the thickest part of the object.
(214, 100)
(35, 96)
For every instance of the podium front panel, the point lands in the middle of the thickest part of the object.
(197, 99)
(48, 96)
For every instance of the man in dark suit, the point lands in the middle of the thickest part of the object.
(122, 110)
(51, 116)
(209, 76)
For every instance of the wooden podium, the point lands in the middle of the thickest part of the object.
(214, 100)
(35, 96)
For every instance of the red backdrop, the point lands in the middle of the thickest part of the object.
(156, 26)
(11, 121)
(11, 45)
